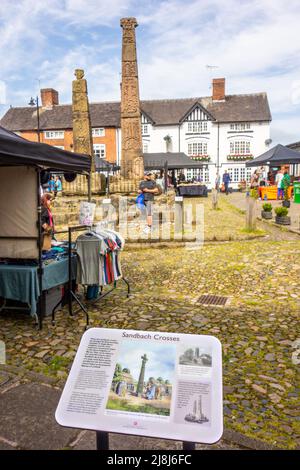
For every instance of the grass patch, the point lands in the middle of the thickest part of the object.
(123, 405)
(258, 231)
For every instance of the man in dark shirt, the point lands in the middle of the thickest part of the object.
(226, 181)
(148, 188)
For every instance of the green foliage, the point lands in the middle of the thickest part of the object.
(267, 207)
(126, 370)
(254, 193)
(281, 211)
(118, 373)
(58, 363)
(125, 405)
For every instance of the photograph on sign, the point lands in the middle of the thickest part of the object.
(144, 383)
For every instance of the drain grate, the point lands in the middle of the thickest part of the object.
(212, 300)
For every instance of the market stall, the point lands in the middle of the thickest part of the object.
(24, 275)
(276, 158)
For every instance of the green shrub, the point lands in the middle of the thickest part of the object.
(281, 211)
(267, 207)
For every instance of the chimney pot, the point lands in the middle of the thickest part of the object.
(49, 97)
(218, 87)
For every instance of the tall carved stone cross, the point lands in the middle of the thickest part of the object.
(140, 385)
(132, 164)
(82, 131)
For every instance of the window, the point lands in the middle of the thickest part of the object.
(99, 151)
(54, 134)
(197, 148)
(197, 127)
(98, 132)
(198, 173)
(145, 129)
(238, 174)
(239, 148)
(240, 126)
(145, 147)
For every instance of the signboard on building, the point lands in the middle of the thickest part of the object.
(146, 383)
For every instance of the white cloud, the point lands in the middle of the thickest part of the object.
(254, 44)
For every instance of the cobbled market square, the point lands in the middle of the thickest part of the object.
(127, 204)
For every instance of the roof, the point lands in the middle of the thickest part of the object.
(14, 150)
(176, 160)
(235, 108)
(294, 145)
(276, 155)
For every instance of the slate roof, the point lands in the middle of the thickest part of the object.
(235, 108)
(176, 160)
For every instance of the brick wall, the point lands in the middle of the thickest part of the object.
(109, 140)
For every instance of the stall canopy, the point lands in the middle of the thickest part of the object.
(175, 161)
(14, 150)
(278, 155)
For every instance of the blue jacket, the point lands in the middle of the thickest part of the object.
(226, 178)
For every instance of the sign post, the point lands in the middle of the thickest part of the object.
(145, 383)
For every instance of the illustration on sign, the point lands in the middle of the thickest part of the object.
(152, 384)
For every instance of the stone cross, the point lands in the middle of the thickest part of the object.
(82, 131)
(140, 384)
(132, 164)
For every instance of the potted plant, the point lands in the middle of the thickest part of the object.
(281, 216)
(286, 202)
(266, 212)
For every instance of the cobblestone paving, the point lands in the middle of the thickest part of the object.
(258, 328)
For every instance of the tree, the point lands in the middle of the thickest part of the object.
(160, 380)
(117, 374)
(126, 371)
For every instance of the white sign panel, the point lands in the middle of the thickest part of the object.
(86, 213)
(154, 384)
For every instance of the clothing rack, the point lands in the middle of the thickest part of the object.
(70, 293)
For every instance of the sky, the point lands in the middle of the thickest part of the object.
(181, 46)
(161, 359)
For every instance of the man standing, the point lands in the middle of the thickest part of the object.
(278, 180)
(226, 181)
(148, 188)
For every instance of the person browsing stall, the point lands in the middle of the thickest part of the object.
(46, 214)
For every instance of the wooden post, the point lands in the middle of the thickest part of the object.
(214, 199)
(251, 213)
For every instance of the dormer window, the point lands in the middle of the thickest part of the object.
(197, 127)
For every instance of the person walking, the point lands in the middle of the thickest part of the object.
(285, 183)
(149, 188)
(226, 181)
(278, 180)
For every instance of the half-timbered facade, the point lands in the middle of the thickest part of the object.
(223, 131)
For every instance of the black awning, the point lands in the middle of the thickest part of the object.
(14, 150)
(278, 155)
(175, 160)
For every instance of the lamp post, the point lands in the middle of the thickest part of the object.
(35, 102)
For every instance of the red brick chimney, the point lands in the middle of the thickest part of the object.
(218, 87)
(49, 97)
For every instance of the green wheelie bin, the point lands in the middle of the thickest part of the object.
(297, 191)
